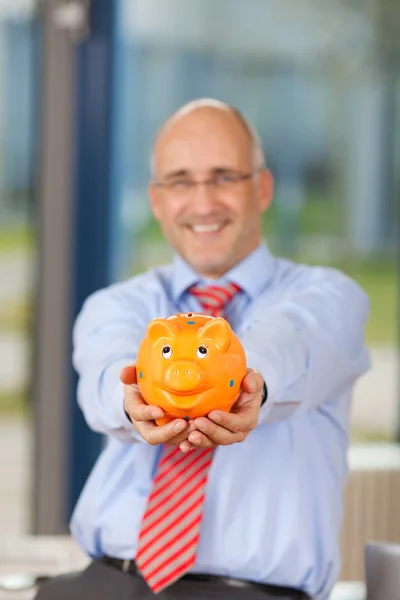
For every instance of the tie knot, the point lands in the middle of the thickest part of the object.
(214, 298)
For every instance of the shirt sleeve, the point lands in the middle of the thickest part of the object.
(106, 337)
(309, 346)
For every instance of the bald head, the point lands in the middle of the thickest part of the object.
(209, 186)
(208, 112)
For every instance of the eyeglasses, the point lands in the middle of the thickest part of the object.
(185, 186)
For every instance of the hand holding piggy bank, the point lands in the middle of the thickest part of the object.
(190, 364)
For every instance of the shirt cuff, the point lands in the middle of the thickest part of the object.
(264, 394)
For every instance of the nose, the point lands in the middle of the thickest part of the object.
(183, 376)
(204, 196)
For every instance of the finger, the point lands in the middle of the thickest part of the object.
(128, 375)
(215, 433)
(182, 437)
(251, 395)
(252, 382)
(186, 446)
(137, 408)
(244, 413)
(155, 434)
(199, 440)
(242, 420)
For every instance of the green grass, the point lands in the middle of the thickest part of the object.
(16, 239)
(319, 215)
(381, 282)
(13, 404)
(358, 436)
(16, 316)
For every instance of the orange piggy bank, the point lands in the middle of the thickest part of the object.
(190, 364)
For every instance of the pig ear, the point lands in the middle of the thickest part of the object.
(219, 331)
(160, 328)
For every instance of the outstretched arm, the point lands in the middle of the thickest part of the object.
(106, 338)
(311, 346)
(308, 348)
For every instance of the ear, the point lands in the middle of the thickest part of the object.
(219, 331)
(154, 199)
(160, 328)
(265, 189)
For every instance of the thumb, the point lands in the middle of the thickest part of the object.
(128, 375)
(252, 382)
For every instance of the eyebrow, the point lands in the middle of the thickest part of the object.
(186, 172)
(218, 170)
(178, 173)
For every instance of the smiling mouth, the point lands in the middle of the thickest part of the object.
(207, 228)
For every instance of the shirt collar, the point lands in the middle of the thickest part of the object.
(252, 274)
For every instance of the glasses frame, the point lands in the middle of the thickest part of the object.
(214, 182)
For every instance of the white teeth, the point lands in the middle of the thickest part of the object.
(206, 228)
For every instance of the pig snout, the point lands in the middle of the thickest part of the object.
(183, 376)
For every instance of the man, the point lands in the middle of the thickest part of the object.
(263, 518)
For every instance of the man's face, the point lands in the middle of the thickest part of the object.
(214, 226)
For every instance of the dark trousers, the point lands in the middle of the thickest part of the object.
(104, 582)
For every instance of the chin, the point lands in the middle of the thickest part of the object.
(210, 267)
(208, 257)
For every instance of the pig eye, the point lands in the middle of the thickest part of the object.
(167, 351)
(201, 352)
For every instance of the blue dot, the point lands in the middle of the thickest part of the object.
(190, 322)
(140, 374)
(231, 383)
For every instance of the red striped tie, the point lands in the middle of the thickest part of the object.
(170, 527)
(214, 298)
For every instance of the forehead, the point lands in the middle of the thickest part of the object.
(203, 140)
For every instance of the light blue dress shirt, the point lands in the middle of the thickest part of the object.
(273, 506)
